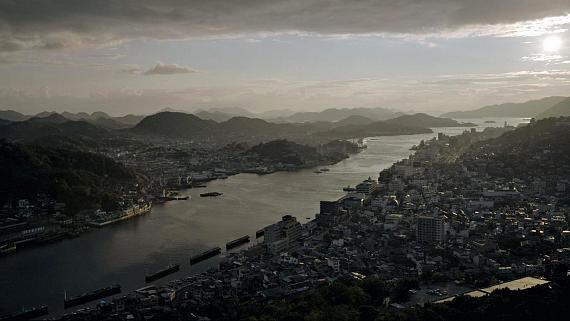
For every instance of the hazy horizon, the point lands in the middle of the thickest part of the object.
(125, 57)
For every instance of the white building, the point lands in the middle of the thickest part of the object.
(283, 235)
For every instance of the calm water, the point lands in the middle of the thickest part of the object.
(124, 252)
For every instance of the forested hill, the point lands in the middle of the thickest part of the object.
(79, 179)
(540, 149)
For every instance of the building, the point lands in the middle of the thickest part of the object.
(367, 187)
(430, 229)
(283, 235)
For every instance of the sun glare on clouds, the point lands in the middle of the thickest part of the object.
(552, 44)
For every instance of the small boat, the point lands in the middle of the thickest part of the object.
(211, 194)
(181, 198)
(325, 169)
(349, 189)
(317, 172)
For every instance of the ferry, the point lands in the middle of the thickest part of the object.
(237, 242)
(26, 314)
(162, 273)
(205, 255)
(211, 194)
(91, 296)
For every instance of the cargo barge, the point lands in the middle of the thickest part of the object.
(211, 194)
(162, 273)
(205, 255)
(91, 296)
(26, 314)
(237, 242)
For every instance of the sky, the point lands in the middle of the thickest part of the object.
(141, 56)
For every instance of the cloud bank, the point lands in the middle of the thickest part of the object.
(56, 24)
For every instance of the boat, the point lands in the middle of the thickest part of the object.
(199, 186)
(325, 169)
(259, 234)
(26, 314)
(91, 296)
(349, 189)
(237, 242)
(181, 198)
(51, 238)
(7, 248)
(317, 172)
(205, 255)
(211, 194)
(490, 122)
(162, 273)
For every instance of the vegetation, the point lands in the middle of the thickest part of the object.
(286, 152)
(368, 300)
(80, 179)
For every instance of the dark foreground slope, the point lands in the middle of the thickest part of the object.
(365, 300)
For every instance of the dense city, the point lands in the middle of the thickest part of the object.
(442, 223)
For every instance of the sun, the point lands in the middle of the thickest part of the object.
(552, 44)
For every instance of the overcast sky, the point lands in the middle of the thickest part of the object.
(139, 56)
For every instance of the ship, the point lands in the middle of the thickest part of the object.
(259, 234)
(162, 273)
(211, 194)
(237, 242)
(90, 296)
(205, 255)
(26, 314)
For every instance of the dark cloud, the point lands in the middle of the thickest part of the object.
(168, 69)
(51, 24)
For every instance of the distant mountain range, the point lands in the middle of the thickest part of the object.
(562, 109)
(182, 125)
(97, 118)
(334, 114)
(425, 120)
(530, 108)
(81, 131)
